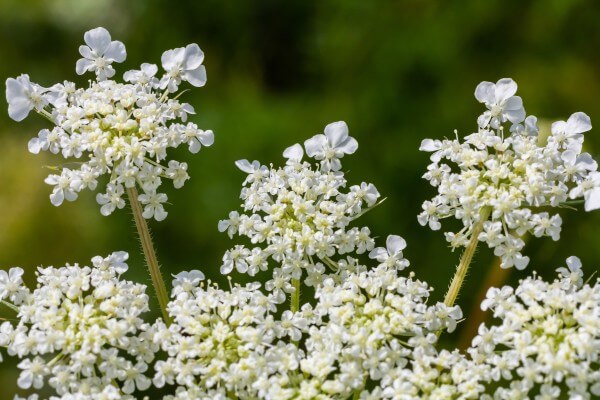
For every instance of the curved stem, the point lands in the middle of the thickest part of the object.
(465, 260)
(149, 253)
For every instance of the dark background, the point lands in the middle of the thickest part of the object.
(396, 71)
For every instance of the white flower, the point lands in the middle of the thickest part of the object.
(153, 207)
(391, 256)
(528, 128)
(112, 199)
(183, 64)
(63, 187)
(331, 146)
(569, 134)
(501, 103)
(178, 173)
(144, 76)
(185, 281)
(10, 283)
(23, 96)
(100, 53)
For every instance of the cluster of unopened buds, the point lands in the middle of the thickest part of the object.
(366, 330)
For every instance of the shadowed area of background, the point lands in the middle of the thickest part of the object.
(396, 71)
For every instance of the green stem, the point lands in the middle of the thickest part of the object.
(465, 260)
(149, 253)
(10, 305)
(295, 301)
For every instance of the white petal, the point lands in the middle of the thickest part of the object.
(578, 123)
(35, 145)
(513, 103)
(587, 161)
(592, 199)
(558, 127)
(14, 89)
(484, 92)
(378, 253)
(86, 52)
(18, 110)
(430, 145)
(196, 77)
(294, 152)
(569, 157)
(193, 57)
(160, 213)
(116, 52)
(83, 65)
(505, 88)
(315, 145)
(207, 138)
(574, 263)
(336, 132)
(57, 197)
(349, 146)
(245, 166)
(521, 261)
(171, 58)
(395, 244)
(98, 39)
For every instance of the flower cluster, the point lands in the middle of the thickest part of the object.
(547, 340)
(301, 215)
(372, 330)
(121, 130)
(510, 174)
(80, 331)
(225, 344)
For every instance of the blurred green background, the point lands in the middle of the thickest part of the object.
(396, 71)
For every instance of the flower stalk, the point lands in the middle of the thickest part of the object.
(149, 253)
(295, 300)
(465, 260)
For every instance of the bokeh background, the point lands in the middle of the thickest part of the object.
(396, 71)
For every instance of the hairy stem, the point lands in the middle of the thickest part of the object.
(149, 253)
(465, 260)
(295, 301)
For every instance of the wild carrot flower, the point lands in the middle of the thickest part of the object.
(120, 130)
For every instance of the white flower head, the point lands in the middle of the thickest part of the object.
(331, 146)
(510, 176)
(100, 53)
(119, 130)
(501, 102)
(81, 330)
